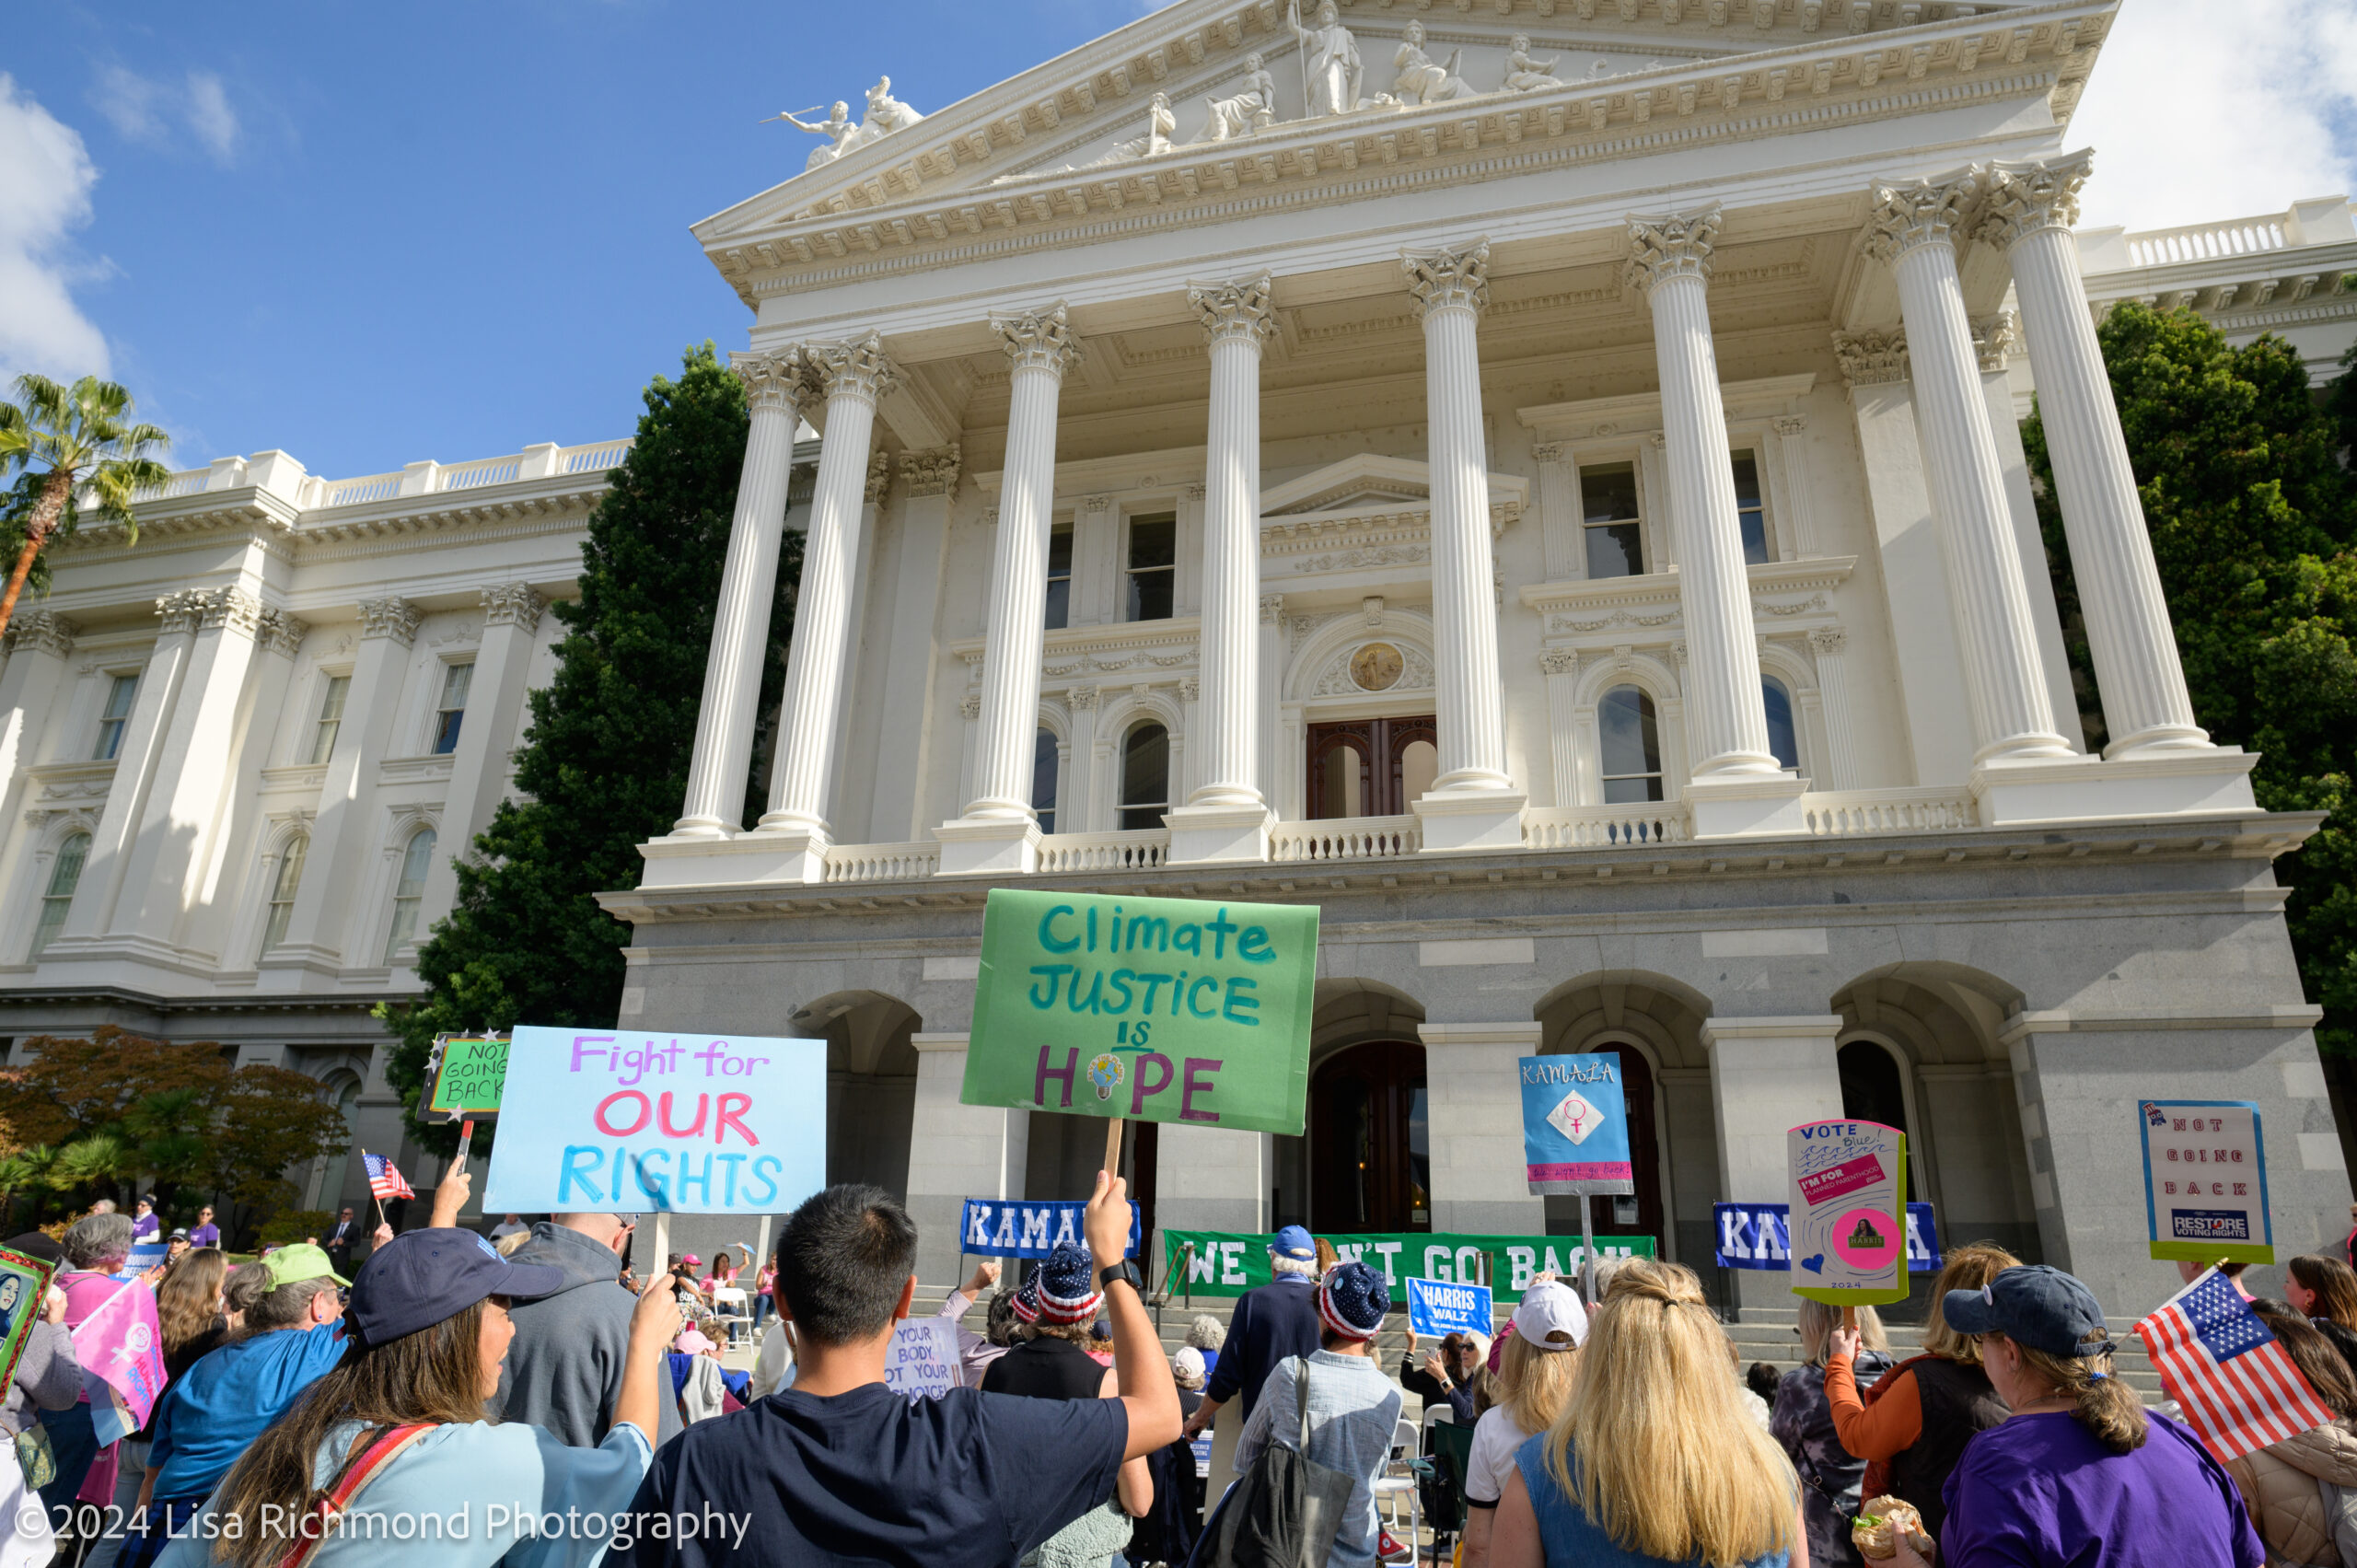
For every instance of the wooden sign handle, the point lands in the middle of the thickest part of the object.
(1849, 1318)
(1113, 1146)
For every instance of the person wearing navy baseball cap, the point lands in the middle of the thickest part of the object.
(392, 1450)
(1271, 1322)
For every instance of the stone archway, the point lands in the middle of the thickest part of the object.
(871, 1085)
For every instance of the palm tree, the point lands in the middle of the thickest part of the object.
(77, 437)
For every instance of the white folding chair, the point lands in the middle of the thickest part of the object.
(1397, 1481)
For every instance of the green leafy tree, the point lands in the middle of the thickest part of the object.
(67, 439)
(2250, 512)
(604, 764)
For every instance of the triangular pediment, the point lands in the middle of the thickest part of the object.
(1368, 484)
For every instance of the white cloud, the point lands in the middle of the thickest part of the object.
(2198, 113)
(163, 114)
(45, 179)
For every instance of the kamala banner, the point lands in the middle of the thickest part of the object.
(695, 1124)
(1160, 1009)
(1020, 1228)
(2205, 1180)
(1227, 1262)
(1754, 1235)
(1575, 1124)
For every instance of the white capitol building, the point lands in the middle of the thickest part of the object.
(1538, 478)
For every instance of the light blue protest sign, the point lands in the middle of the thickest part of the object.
(1024, 1227)
(619, 1121)
(1442, 1307)
(1575, 1124)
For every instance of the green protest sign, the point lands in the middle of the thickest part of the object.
(469, 1076)
(1161, 1009)
(1221, 1262)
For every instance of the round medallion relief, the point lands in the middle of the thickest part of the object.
(1376, 667)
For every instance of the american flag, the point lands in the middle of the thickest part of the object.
(2235, 1380)
(385, 1182)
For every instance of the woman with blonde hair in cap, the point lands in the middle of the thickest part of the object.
(1535, 1374)
(1653, 1458)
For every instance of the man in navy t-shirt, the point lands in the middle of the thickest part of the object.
(839, 1469)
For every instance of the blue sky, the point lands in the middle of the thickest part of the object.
(369, 234)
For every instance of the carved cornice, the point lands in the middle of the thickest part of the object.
(512, 603)
(932, 473)
(1039, 339)
(181, 611)
(42, 630)
(1234, 312)
(394, 618)
(1675, 245)
(1872, 358)
(282, 633)
(1449, 280)
(856, 368)
(771, 380)
(2027, 196)
(1911, 213)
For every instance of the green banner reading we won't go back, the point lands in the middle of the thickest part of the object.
(1160, 1009)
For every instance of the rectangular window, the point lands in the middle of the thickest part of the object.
(1154, 567)
(1059, 578)
(1751, 511)
(453, 709)
(1609, 519)
(116, 714)
(331, 717)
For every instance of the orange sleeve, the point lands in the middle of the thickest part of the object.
(1893, 1424)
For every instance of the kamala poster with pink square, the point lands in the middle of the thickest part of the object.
(1575, 1125)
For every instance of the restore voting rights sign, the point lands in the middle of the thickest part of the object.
(695, 1124)
(1159, 1009)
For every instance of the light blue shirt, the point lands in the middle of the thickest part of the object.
(470, 1496)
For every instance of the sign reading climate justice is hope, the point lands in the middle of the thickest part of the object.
(695, 1124)
(2205, 1180)
(1159, 1009)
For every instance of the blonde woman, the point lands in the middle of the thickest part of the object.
(1653, 1458)
(1911, 1425)
(1534, 1380)
(1803, 1422)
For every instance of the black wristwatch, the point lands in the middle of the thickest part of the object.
(1125, 1269)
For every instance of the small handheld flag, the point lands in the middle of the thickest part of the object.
(2236, 1383)
(383, 1179)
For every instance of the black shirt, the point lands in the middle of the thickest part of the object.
(1046, 1368)
(870, 1478)
(1271, 1322)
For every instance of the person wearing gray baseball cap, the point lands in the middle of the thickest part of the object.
(2081, 1472)
(388, 1456)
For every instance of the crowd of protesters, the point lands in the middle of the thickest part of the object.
(458, 1398)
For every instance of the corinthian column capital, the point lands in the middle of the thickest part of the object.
(2030, 196)
(771, 380)
(1039, 339)
(394, 618)
(1915, 213)
(932, 473)
(1233, 311)
(856, 368)
(1449, 280)
(49, 631)
(1675, 245)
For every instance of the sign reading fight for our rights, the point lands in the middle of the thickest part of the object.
(1161, 1009)
(696, 1124)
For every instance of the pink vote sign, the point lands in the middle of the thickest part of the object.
(1849, 1212)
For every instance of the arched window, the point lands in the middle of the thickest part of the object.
(1043, 780)
(282, 892)
(409, 892)
(1631, 747)
(63, 877)
(1146, 775)
(1782, 738)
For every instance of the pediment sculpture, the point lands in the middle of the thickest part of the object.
(886, 114)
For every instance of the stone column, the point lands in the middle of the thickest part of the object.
(1767, 1076)
(1736, 788)
(1913, 229)
(997, 832)
(1271, 669)
(912, 656)
(1479, 1181)
(2027, 215)
(1473, 803)
(39, 641)
(1211, 1178)
(1833, 690)
(854, 375)
(1079, 775)
(1226, 817)
(135, 761)
(956, 1152)
(1561, 667)
(1559, 512)
(718, 767)
(511, 621)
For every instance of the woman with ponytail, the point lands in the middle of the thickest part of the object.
(2080, 1473)
(1652, 1458)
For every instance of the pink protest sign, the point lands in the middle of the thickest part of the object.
(121, 1345)
(1851, 1175)
(1849, 1212)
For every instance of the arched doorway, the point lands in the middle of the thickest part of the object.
(1370, 1143)
(1640, 1212)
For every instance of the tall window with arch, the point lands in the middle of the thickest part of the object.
(1044, 769)
(1631, 744)
(64, 875)
(1783, 738)
(1146, 775)
(409, 892)
(282, 887)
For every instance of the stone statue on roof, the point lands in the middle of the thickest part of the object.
(1330, 57)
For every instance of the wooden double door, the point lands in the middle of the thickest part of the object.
(1370, 1145)
(1371, 767)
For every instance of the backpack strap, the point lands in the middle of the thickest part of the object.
(363, 1462)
